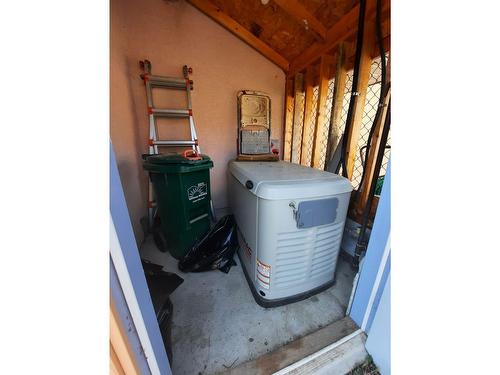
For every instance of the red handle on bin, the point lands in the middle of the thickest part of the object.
(191, 155)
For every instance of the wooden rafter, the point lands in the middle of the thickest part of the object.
(321, 128)
(302, 15)
(339, 32)
(288, 128)
(214, 12)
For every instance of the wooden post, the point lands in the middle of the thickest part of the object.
(321, 128)
(298, 117)
(121, 357)
(288, 128)
(371, 158)
(309, 117)
(337, 102)
(364, 76)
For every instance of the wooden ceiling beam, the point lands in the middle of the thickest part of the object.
(214, 12)
(302, 15)
(339, 32)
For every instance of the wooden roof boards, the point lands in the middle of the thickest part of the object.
(291, 33)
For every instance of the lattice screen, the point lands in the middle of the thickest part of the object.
(345, 105)
(298, 127)
(326, 128)
(387, 154)
(307, 158)
(371, 104)
(370, 110)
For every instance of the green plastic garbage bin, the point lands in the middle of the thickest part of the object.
(182, 189)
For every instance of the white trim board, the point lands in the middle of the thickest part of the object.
(376, 283)
(128, 291)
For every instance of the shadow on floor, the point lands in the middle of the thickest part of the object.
(217, 324)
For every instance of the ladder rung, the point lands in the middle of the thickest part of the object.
(174, 143)
(169, 82)
(184, 113)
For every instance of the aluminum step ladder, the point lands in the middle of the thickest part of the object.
(153, 81)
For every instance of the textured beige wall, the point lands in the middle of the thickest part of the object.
(171, 34)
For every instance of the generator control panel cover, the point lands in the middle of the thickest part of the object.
(254, 122)
(317, 212)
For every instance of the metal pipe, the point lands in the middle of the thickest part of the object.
(383, 86)
(354, 92)
(362, 244)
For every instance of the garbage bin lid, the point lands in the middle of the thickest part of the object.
(175, 159)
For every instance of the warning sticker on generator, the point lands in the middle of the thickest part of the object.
(263, 274)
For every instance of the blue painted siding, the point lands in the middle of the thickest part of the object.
(126, 320)
(378, 239)
(378, 343)
(121, 220)
(378, 295)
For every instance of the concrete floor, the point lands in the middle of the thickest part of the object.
(217, 325)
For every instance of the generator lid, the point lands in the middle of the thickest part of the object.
(284, 180)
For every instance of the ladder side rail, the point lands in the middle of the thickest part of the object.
(192, 127)
(153, 129)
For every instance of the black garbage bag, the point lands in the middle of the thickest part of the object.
(161, 284)
(158, 236)
(215, 250)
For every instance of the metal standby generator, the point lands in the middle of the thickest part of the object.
(290, 223)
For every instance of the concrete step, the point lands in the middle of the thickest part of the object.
(297, 350)
(336, 359)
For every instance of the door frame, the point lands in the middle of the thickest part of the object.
(126, 261)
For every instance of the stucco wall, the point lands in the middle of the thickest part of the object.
(171, 34)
